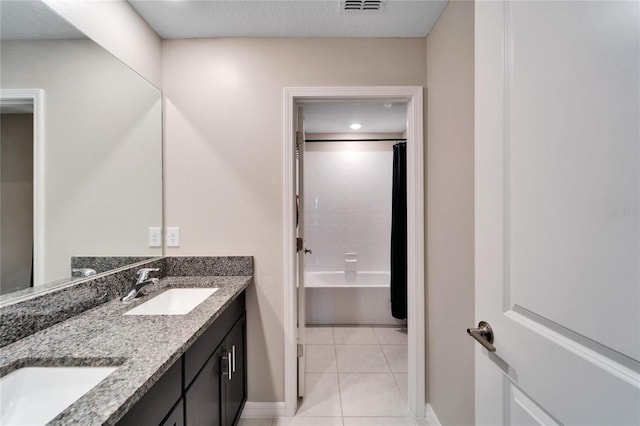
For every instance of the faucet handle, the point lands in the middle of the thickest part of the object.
(143, 274)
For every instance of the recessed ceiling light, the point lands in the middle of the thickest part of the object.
(356, 126)
(387, 105)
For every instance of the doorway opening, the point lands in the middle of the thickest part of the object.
(21, 182)
(294, 294)
(354, 278)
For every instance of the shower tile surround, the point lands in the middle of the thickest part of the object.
(23, 318)
(143, 353)
(347, 206)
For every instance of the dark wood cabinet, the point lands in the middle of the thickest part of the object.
(207, 385)
(203, 397)
(235, 380)
(176, 417)
(219, 389)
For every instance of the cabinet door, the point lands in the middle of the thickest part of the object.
(235, 387)
(203, 396)
(176, 418)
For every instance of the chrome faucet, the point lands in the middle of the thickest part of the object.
(142, 280)
(82, 272)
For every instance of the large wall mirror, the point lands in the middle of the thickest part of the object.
(80, 155)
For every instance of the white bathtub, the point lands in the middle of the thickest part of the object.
(336, 297)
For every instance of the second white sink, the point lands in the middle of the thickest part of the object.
(35, 395)
(176, 301)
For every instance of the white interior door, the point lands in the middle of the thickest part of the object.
(301, 252)
(558, 212)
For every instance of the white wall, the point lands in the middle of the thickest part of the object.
(224, 160)
(450, 206)
(103, 152)
(347, 204)
(117, 27)
(16, 192)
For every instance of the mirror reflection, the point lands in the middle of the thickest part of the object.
(80, 154)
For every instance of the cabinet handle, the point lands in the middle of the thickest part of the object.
(233, 358)
(227, 358)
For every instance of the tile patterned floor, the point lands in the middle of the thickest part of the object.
(355, 376)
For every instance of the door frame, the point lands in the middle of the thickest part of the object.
(413, 96)
(34, 97)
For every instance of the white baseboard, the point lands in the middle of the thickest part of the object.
(263, 410)
(432, 419)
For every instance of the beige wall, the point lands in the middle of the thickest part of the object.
(16, 195)
(225, 159)
(450, 204)
(117, 27)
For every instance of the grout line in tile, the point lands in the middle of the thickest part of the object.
(398, 385)
(335, 354)
(386, 360)
(376, 336)
(364, 373)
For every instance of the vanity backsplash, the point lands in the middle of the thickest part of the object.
(23, 318)
(101, 264)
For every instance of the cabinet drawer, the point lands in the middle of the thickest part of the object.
(197, 355)
(155, 404)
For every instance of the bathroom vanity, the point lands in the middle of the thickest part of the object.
(207, 385)
(187, 369)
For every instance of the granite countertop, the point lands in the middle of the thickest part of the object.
(143, 347)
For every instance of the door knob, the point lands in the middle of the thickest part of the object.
(483, 334)
(307, 251)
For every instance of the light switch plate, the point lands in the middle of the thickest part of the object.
(155, 237)
(173, 237)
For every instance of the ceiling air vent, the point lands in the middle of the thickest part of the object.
(362, 5)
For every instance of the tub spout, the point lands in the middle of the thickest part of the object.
(350, 262)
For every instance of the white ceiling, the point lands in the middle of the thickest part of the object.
(337, 117)
(173, 19)
(33, 20)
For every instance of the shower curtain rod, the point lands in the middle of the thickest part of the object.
(356, 140)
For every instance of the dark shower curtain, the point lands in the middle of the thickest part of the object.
(399, 232)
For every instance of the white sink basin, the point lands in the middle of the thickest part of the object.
(177, 301)
(35, 395)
